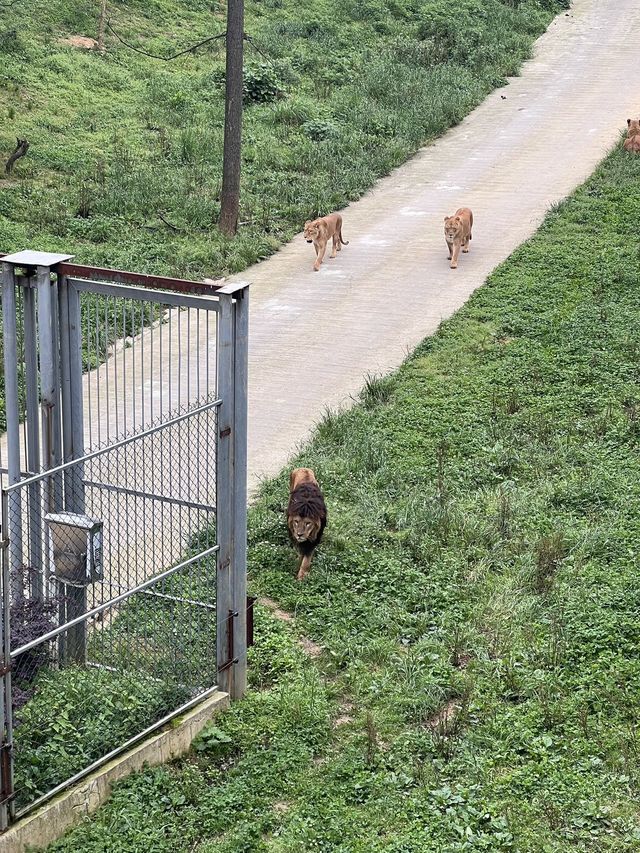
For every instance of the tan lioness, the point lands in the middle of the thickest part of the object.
(632, 142)
(457, 233)
(319, 231)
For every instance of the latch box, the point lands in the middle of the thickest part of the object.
(75, 548)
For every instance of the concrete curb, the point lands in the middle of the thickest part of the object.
(52, 820)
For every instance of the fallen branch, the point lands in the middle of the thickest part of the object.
(21, 149)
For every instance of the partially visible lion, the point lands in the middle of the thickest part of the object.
(457, 233)
(632, 142)
(320, 231)
(306, 516)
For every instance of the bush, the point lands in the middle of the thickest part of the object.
(261, 84)
(319, 129)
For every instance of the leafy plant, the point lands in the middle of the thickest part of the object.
(261, 84)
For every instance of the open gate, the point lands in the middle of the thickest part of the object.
(123, 512)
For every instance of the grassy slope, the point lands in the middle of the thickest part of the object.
(481, 556)
(123, 144)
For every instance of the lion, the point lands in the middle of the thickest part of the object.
(306, 516)
(319, 231)
(457, 233)
(632, 142)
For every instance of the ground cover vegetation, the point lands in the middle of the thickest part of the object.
(124, 165)
(125, 151)
(476, 596)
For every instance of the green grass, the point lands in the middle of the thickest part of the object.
(125, 160)
(79, 715)
(481, 556)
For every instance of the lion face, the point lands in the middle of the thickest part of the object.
(311, 231)
(452, 227)
(304, 529)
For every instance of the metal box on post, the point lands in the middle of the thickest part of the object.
(75, 548)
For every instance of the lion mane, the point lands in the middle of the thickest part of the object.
(306, 516)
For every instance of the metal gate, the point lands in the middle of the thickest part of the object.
(123, 512)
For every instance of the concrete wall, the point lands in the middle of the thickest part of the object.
(53, 819)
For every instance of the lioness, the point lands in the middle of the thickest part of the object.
(319, 231)
(632, 142)
(306, 516)
(457, 233)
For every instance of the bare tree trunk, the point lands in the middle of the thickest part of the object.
(21, 149)
(230, 201)
(101, 25)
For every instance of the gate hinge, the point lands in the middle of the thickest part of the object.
(225, 432)
(251, 600)
(6, 793)
(5, 670)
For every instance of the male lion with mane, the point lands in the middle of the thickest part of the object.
(632, 142)
(306, 516)
(319, 231)
(457, 233)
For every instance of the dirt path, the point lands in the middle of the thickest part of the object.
(315, 335)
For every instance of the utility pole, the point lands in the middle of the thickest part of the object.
(102, 18)
(230, 200)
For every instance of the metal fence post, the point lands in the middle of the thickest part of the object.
(73, 647)
(49, 387)
(75, 387)
(239, 561)
(33, 438)
(11, 399)
(225, 614)
(4, 697)
(7, 807)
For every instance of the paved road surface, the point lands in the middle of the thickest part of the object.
(314, 335)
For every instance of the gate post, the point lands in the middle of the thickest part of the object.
(225, 614)
(239, 563)
(11, 398)
(6, 734)
(33, 436)
(73, 647)
(49, 388)
(231, 486)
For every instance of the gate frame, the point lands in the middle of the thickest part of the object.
(54, 279)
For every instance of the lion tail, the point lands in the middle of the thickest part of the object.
(344, 242)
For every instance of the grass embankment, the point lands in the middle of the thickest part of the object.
(477, 594)
(125, 159)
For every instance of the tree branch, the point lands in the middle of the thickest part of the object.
(163, 58)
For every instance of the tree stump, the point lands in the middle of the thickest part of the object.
(21, 149)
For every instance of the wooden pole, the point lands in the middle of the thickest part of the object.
(101, 25)
(230, 200)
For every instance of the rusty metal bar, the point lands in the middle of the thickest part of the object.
(155, 282)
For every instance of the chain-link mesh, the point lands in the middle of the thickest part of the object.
(110, 566)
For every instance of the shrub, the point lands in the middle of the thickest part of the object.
(261, 84)
(319, 129)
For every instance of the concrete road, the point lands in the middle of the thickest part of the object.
(314, 335)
